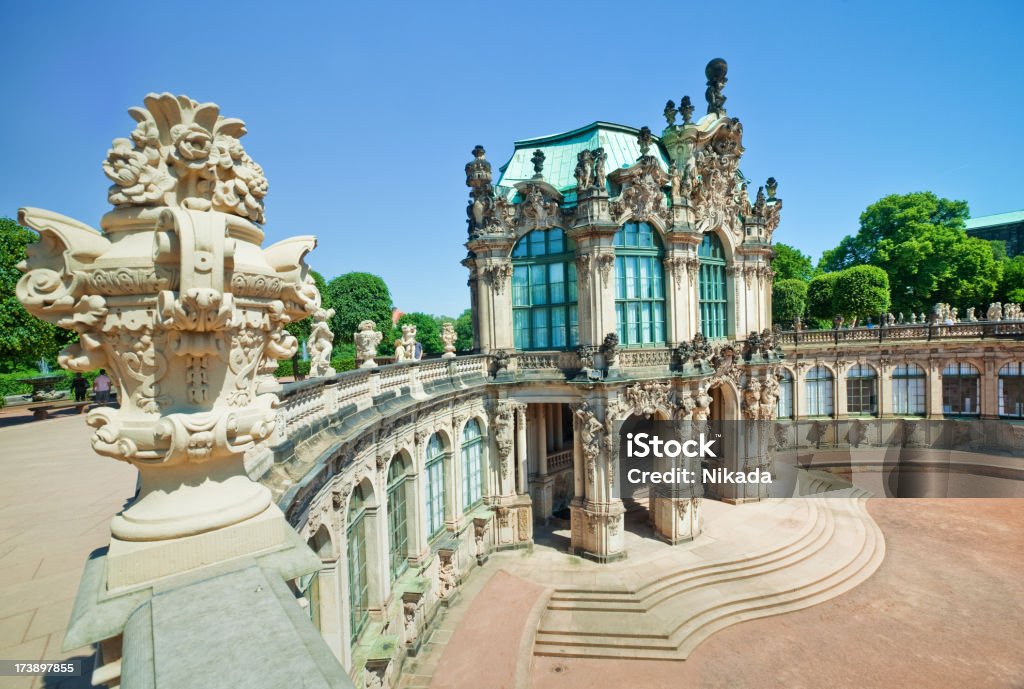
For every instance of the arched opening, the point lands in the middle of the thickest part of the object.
(784, 404)
(398, 517)
(713, 288)
(544, 311)
(819, 386)
(961, 390)
(862, 391)
(434, 486)
(908, 396)
(358, 571)
(639, 285)
(472, 449)
(1011, 391)
(321, 544)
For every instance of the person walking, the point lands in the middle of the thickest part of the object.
(79, 386)
(101, 386)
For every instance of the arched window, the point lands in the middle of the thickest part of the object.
(434, 486)
(1011, 390)
(908, 390)
(309, 586)
(861, 390)
(544, 291)
(819, 392)
(639, 285)
(960, 389)
(472, 465)
(398, 518)
(784, 404)
(712, 289)
(358, 582)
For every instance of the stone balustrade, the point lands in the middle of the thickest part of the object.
(905, 331)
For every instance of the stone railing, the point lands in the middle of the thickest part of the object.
(641, 358)
(559, 460)
(917, 331)
(305, 405)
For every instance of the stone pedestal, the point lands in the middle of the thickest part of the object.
(542, 490)
(598, 530)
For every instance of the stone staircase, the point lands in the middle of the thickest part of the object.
(665, 617)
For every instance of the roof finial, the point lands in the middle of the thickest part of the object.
(538, 163)
(686, 110)
(771, 186)
(715, 72)
(644, 138)
(670, 113)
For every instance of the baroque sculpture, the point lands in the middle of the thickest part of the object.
(177, 300)
(448, 337)
(367, 338)
(321, 344)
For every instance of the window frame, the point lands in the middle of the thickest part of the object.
(434, 489)
(962, 372)
(640, 312)
(713, 308)
(398, 518)
(862, 390)
(814, 387)
(904, 382)
(560, 315)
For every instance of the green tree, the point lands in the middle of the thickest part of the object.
(819, 298)
(428, 332)
(791, 264)
(24, 339)
(919, 240)
(789, 301)
(1011, 287)
(464, 329)
(860, 292)
(356, 297)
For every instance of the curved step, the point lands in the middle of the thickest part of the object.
(675, 616)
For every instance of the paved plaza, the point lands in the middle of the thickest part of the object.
(56, 500)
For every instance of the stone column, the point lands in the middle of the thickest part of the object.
(596, 518)
(933, 391)
(885, 401)
(541, 485)
(521, 462)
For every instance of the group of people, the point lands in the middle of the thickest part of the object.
(101, 386)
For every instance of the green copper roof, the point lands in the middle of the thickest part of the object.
(560, 151)
(994, 220)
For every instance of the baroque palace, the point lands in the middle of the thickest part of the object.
(616, 277)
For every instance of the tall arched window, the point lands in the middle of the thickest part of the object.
(434, 486)
(1011, 391)
(639, 285)
(784, 404)
(861, 390)
(398, 518)
(908, 390)
(544, 291)
(819, 392)
(960, 389)
(472, 465)
(712, 288)
(358, 582)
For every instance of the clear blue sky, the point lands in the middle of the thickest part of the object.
(364, 114)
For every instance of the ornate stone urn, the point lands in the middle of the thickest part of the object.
(367, 339)
(179, 302)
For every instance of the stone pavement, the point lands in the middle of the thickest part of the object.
(56, 500)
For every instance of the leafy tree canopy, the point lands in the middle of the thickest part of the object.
(1012, 286)
(919, 240)
(464, 329)
(24, 339)
(791, 264)
(356, 297)
(428, 331)
(789, 301)
(860, 292)
(819, 298)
